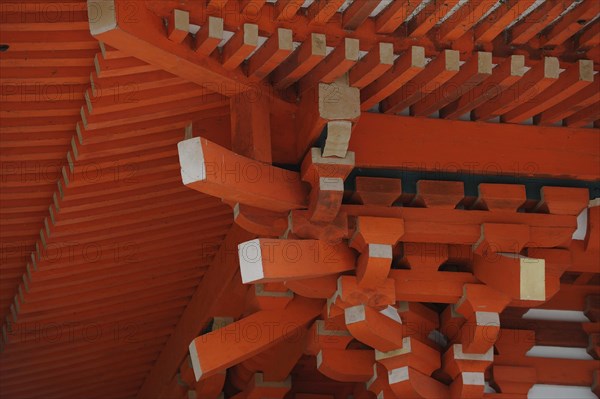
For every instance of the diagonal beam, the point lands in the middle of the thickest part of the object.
(214, 170)
(226, 347)
(202, 307)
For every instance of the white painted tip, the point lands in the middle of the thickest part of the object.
(472, 378)
(251, 264)
(195, 361)
(354, 314)
(398, 375)
(582, 222)
(319, 359)
(102, 16)
(191, 160)
(392, 313)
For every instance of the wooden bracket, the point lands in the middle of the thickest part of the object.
(439, 194)
(349, 365)
(501, 238)
(300, 226)
(417, 320)
(377, 190)
(326, 177)
(349, 293)
(322, 336)
(381, 330)
(414, 354)
(324, 103)
(260, 221)
(424, 256)
(517, 276)
(500, 197)
(407, 382)
(563, 200)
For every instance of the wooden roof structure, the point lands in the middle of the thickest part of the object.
(299, 199)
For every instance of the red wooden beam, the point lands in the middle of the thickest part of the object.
(406, 67)
(430, 146)
(537, 79)
(372, 66)
(357, 13)
(220, 349)
(274, 260)
(146, 40)
(202, 306)
(214, 170)
(524, 30)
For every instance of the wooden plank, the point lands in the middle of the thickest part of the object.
(548, 332)
(430, 144)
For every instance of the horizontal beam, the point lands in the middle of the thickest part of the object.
(456, 146)
(456, 226)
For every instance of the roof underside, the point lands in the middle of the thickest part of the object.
(90, 187)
